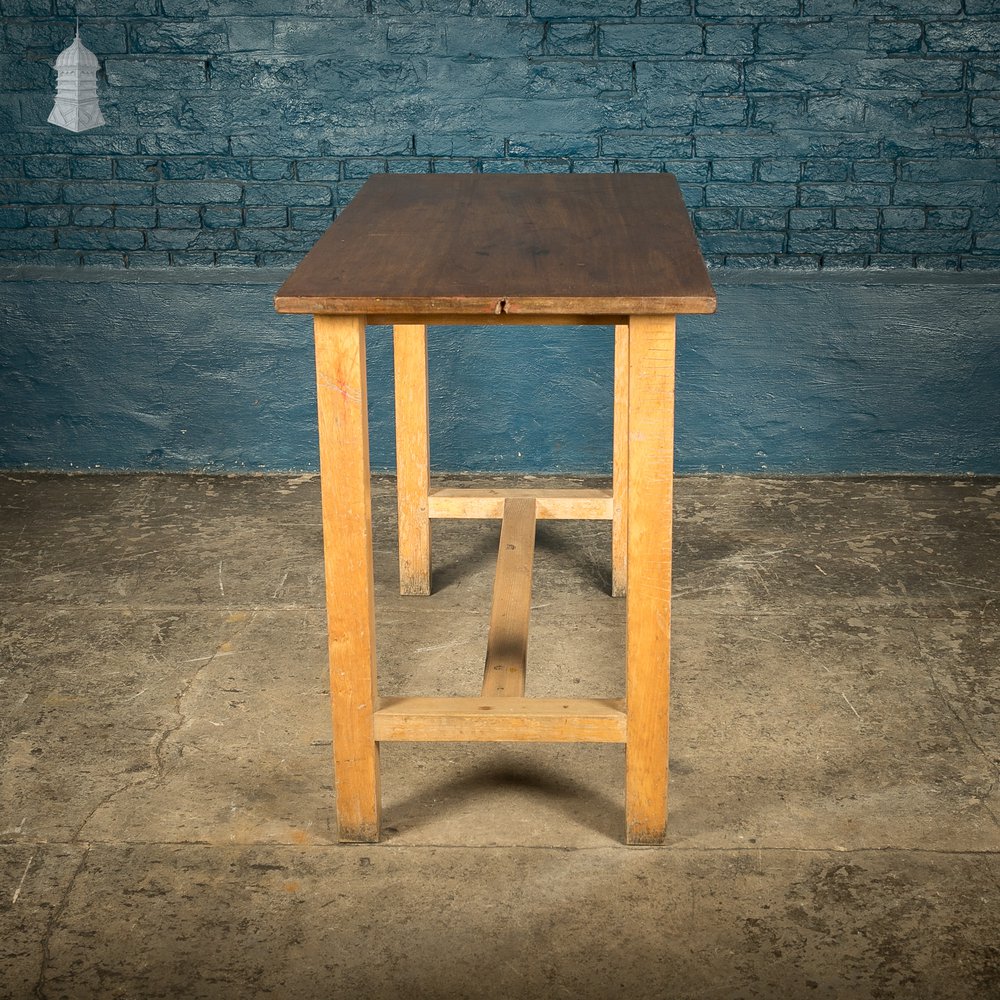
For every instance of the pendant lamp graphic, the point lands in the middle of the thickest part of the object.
(76, 106)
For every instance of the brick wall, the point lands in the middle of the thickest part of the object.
(805, 133)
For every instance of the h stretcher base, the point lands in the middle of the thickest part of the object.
(342, 296)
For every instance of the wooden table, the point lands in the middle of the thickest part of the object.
(573, 249)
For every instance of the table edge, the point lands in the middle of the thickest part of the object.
(492, 307)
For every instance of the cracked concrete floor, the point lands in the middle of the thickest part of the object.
(165, 786)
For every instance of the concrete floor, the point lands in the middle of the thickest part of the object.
(166, 807)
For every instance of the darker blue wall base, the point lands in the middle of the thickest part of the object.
(846, 373)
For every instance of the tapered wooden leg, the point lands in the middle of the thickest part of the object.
(412, 459)
(619, 521)
(650, 497)
(347, 551)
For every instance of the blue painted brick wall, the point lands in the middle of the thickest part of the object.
(806, 133)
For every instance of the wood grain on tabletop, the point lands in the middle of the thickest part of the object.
(506, 244)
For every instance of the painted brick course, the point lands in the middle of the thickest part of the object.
(805, 133)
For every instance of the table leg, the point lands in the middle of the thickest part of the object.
(412, 458)
(350, 590)
(619, 467)
(650, 496)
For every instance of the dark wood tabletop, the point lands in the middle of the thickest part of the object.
(546, 244)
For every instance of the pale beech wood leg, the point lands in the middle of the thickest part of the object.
(619, 521)
(412, 458)
(350, 590)
(650, 496)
